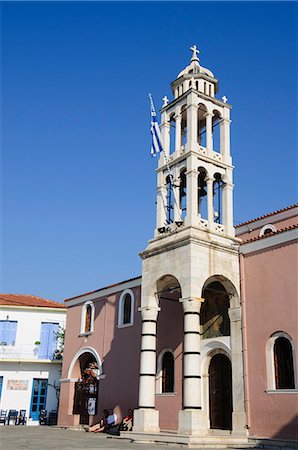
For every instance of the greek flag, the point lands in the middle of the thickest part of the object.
(156, 146)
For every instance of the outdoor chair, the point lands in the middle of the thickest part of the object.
(3, 416)
(22, 419)
(12, 415)
(53, 417)
(43, 417)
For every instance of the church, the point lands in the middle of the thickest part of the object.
(202, 346)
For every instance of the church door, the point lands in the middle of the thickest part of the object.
(220, 393)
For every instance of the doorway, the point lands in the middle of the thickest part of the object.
(220, 393)
(39, 397)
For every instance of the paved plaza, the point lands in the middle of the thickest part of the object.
(46, 438)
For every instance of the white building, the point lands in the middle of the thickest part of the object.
(30, 361)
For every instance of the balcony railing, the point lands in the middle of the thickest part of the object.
(28, 351)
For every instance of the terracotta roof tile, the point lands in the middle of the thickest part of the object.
(267, 215)
(100, 289)
(273, 233)
(28, 300)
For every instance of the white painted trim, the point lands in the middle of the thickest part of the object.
(37, 308)
(121, 309)
(269, 226)
(269, 349)
(270, 241)
(81, 352)
(68, 380)
(282, 391)
(83, 319)
(104, 292)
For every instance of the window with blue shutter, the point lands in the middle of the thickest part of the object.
(48, 340)
(8, 332)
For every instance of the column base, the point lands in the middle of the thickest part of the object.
(192, 422)
(239, 424)
(146, 421)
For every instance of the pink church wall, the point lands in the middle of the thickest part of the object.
(270, 299)
(170, 336)
(118, 349)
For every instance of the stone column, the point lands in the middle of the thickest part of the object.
(227, 208)
(146, 418)
(192, 217)
(160, 200)
(210, 209)
(238, 415)
(192, 421)
(178, 129)
(225, 139)
(192, 127)
(209, 134)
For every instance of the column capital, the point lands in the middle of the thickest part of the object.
(208, 113)
(191, 304)
(209, 179)
(149, 312)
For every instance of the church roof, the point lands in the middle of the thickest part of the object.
(28, 300)
(268, 215)
(102, 288)
(194, 66)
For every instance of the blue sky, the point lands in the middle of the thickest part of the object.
(78, 185)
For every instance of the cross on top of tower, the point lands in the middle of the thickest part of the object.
(195, 52)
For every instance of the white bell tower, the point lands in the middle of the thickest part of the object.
(194, 246)
(202, 167)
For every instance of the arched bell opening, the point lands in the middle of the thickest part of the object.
(183, 125)
(169, 351)
(202, 193)
(214, 317)
(86, 368)
(169, 200)
(172, 133)
(182, 193)
(202, 111)
(220, 392)
(216, 130)
(217, 197)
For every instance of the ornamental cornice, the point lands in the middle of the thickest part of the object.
(201, 157)
(188, 240)
(214, 100)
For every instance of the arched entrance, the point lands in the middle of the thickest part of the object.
(220, 392)
(85, 402)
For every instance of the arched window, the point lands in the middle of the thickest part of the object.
(87, 318)
(283, 364)
(267, 229)
(126, 309)
(168, 372)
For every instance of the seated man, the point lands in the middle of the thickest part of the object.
(101, 425)
(126, 424)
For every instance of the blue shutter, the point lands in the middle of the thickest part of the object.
(48, 341)
(8, 331)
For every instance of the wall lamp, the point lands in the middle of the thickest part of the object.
(179, 223)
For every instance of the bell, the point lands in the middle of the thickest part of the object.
(202, 192)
